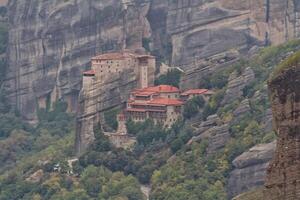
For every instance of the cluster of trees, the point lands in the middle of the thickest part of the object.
(193, 106)
(172, 77)
(94, 183)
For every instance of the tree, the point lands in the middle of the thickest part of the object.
(171, 78)
(101, 142)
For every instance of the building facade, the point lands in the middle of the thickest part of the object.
(163, 104)
(110, 64)
(160, 104)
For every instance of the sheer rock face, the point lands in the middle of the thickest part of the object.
(201, 30)
(250, 169)
(283, 175)
(97, 99)
(237, 83)
(52, 42)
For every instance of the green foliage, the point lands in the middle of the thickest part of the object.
(56, 122)
(101, 142)
(110, 118)
(193, 106)
(146, 132)
(292, 61)
(171, 78)
(214, 103)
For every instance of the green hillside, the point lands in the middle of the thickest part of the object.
(34, 160)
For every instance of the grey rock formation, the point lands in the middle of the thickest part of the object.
(52, 41)
(250, 169)
(236, 84)
(243, 108)
(211, 121)
(202, 29)
(93, 103)
(217, 136)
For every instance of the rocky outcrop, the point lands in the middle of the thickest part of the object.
(243, 108)
(51, 43)
(236, 84)
(250, 169)
(283, 174)
(98, 99)
(203, 29)
(216, 136)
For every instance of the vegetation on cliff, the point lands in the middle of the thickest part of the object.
(291, 61)
(175, 167)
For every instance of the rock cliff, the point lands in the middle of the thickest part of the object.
(205, 32)
(283, 174)
(250, 169)
(97, 99)
(51, 42)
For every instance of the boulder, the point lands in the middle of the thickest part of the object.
(250, 169)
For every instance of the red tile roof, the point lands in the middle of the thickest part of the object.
(195, 91)
(166, 102)
(89, 72)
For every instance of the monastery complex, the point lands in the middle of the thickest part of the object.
(163, 103)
